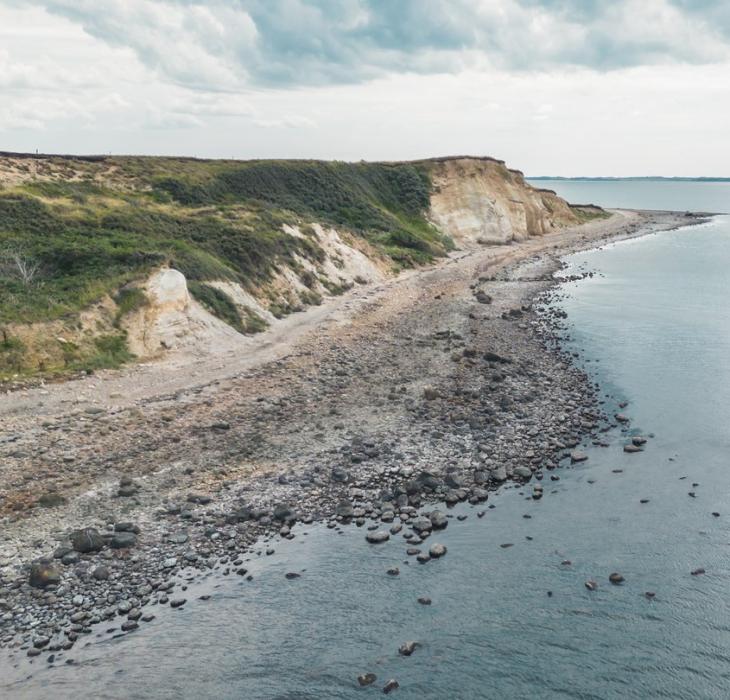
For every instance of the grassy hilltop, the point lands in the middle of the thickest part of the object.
(84, 228)
(84, 233)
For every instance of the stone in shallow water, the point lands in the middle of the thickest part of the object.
(366, 679)
(439, 521)
(437, 550)
(377, 537)
(616, 578)
(390, 686)
(407, 648)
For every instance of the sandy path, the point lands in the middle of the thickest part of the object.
(159, 379)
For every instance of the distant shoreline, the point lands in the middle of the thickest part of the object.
(638, 178)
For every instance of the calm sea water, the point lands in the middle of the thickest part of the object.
(644, 194)
(653, 327)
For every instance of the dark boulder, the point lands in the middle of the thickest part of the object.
(87, 540)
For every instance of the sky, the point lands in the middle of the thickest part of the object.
(554, 87)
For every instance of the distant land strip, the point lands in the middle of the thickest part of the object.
(649, 178)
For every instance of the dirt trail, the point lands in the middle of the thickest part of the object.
(145, 382)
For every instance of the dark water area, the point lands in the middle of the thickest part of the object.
(652, 326)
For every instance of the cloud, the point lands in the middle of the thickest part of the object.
(228, 45)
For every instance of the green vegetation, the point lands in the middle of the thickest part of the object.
(12, 352)
(65, 243)
(128, 300)
(218, 303)
(589, 213)
(224, 308)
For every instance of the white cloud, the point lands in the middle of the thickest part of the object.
(554, 86)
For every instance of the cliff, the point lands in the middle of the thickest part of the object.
(481, 201)
(106, 258)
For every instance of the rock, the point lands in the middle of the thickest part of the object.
(430, 394)
(437, 550)
(591, 585)
(339, 474)
(283, 512)
(638, 440)
(499, 474)
(292, 575)
(697, 572)
(577, 456)
(439, 521)
(345, 509)
(407, 648)
(123, 540)
(523, 472)
(377, 537)
(395, 571)
(494, 357)
(428, 481)
(44, 574)
(87, 540)
(621, 418)
(101, 573)
(71, 558)
(199, 498)
(616, 578)
(40, 642)
(129, 626)
(632, 449)
(482, 297)
(390, 686)
(454, 481)
(366, 679)
(178, 602)
(423, 600)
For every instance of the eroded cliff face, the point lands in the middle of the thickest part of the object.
(479, 201)
(474, 201)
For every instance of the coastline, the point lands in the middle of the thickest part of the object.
(476, 413)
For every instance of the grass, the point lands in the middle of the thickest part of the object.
(129, 300)
(87, 237)
(218, 303)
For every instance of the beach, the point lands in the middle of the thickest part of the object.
(394, 401)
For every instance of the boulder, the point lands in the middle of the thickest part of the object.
(44, 574)
(377, 537)
(87, 540)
